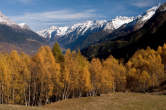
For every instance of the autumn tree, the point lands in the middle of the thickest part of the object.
(17, 75)
(145, 69)
(84, 82)
(48, 73)
(69, 74)
(26, 62)
(5, 79)
(118, 71)
(101, 79)
(50, 76)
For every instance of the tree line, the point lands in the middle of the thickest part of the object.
(50, 76)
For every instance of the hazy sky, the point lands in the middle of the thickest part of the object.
(39, 14)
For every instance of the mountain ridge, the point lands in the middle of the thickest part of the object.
(77, 35)
(150, 35)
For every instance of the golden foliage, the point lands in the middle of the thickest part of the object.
(145, 69)
(51, 76)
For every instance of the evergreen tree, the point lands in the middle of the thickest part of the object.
(57, 53)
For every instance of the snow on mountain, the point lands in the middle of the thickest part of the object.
(82, 28)
(24, 26)
(59, 31)
(71, 36)
(119, 21)
(140, 20)
(149, 13)
(5, 20)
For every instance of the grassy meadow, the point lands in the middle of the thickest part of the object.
(114, 101)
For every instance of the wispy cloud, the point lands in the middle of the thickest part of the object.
(143, 3)
(53, 17)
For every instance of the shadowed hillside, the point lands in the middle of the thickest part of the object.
(15, 38)
(152, 34)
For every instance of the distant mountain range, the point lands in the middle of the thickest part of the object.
(120, 37)
(71, 37)
(82, 35)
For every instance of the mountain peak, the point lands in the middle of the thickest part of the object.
(120, 20)
(24, 26)
(85, 27)
(162, 8)
(149, 13)
(76, 33)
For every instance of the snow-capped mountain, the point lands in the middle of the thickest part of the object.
(18, 37)
(68, 36)
(124, 44)
(119, 21)
(141, 19)
(135, 25)
(58, 31)
(24, 26)
(85, 27)
(149, 13)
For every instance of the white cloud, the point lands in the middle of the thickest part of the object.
(142, 4)
(53, 17)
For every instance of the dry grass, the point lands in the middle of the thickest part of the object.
(116, 101)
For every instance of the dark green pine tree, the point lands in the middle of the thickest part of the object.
(56, 50)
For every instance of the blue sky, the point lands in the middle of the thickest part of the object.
(39, 14)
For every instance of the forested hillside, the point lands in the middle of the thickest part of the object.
(49, 76)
